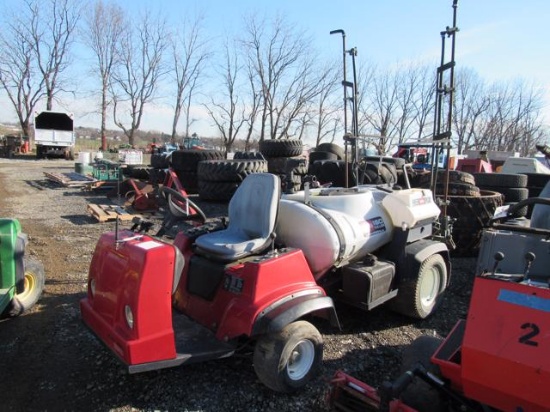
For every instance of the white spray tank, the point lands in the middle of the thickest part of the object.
(336, 225)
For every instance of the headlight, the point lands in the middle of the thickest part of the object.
(129, 316)
(92, 287)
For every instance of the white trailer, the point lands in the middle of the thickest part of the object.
(54, 135)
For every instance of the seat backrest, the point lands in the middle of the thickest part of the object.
(253, 207)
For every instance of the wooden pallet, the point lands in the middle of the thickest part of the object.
(70, 179)
(104, 213)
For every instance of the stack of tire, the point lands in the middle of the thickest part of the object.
(284, 159)
(185, 163)
(382, 169)
(535, 184)
(219, 179)
(512, 186)
(327, 163)
(470, 206)
(159, 163)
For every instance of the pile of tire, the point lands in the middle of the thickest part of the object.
(512, 186)
(219, 179)
(284, 159)
(159, 163)
(327, 164)
(185, 163)
(535, 183)
(470, 206)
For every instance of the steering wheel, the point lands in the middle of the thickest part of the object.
(519, 205)
(177, 211)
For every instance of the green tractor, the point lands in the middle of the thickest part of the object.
(21, 278)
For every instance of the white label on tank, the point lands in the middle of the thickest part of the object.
(376, 225)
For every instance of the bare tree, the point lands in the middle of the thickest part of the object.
(35, 51)
(470, 103)
(513, 118)
(105, 24)
(230, 115)
(285, 69)
(18, 72)
(326, 120)
(135, 79)
(189, 54)
(52, 32)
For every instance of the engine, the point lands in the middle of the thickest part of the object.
(337, 225)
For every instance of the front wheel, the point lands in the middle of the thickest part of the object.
(33, 287)
(287, 360)
(418, 296)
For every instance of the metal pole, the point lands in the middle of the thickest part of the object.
(344, 81)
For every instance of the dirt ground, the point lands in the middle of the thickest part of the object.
(50, 361)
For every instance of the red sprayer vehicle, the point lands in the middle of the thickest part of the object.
(277, 261)
(496, 359)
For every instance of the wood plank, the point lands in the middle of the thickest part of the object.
(104, 213)
(69, 179)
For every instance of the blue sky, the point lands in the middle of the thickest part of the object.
(500, 39)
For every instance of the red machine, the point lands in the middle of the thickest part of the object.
(498, 356)
(157, 304)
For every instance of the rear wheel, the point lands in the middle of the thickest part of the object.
(33, 287)
(287, 360)
(419, 295)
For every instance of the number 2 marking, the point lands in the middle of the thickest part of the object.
(533, 330)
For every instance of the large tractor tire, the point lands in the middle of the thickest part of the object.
(229, 170)
(283, 165)
(500, 180)
(419, 394)
(33, 287)
(332, 148)
(455, 189)
(456, 176)
(472, 214)
(217, 191)
(287, 360)
(419, 296)
(314, 156)
(281, 147)
(188, 160)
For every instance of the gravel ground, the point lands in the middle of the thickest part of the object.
(51, 362)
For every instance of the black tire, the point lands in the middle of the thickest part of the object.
(500, 179)
(472, 214)
(159, 161)
(456, 176)
(397, 161)
(332, 148)
(248, 156)
(334, 172)
(314, 156)
(419, 296)
(281, 147)
(456, 189)
(537, 180)
(34, 285)
(216, 191)
(187, 160)
(229, 170)
(378, 173)
(419, 394)
(139, 172)
(287, 360)
(189, 181)
(284, 165)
